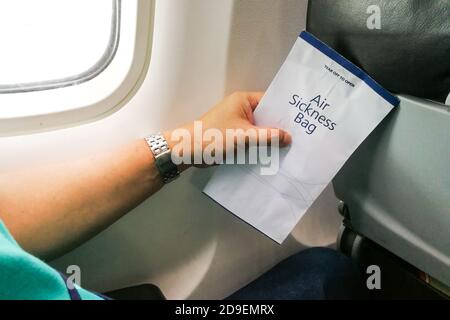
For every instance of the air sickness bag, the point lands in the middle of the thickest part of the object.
(329, 106)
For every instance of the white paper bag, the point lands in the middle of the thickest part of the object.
(329, 106)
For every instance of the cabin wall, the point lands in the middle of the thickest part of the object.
(179, 239)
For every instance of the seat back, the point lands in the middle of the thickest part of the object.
(397, 184)
(404, 45)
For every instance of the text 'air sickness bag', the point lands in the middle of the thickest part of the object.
(329, 106)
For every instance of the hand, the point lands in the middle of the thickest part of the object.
(234, 112)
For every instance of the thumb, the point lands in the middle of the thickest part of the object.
(270, 135)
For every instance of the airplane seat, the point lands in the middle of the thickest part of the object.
(395, 188)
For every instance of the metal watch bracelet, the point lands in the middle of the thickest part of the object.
(163, 158)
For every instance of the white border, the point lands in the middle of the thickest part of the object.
(22, 113)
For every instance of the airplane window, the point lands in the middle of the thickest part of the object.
(48, 44)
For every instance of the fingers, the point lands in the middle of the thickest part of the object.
(254, 98)
(251, 98)
(260, 136)
(273, 134)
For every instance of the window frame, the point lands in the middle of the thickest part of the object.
(63, 106)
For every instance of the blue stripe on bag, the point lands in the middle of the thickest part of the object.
(330, 53)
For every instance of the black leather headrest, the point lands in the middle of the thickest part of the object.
(403, 44)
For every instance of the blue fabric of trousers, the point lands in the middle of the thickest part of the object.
(312, 274)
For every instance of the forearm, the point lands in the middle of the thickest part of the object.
(52, 210)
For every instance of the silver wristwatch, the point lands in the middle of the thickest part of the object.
(163, 158)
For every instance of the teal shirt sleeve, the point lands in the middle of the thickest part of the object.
(25, 277)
